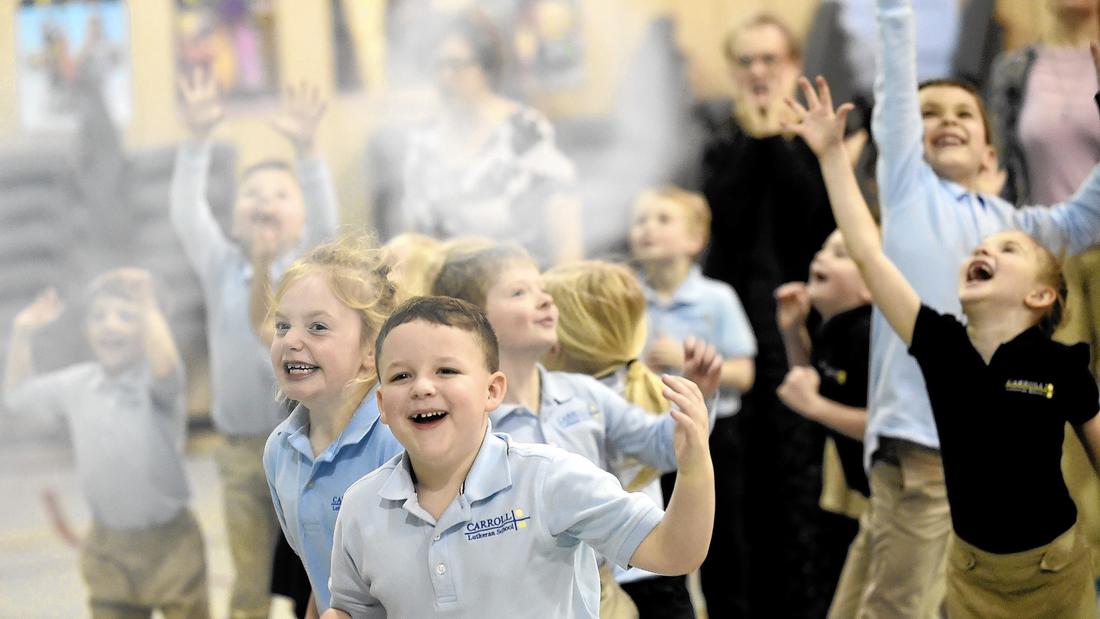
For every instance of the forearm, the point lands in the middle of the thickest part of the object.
(322, 206)
(259, 301)
(564, 223)
(853, 217)
(200, 235)
(796, 343)
(334, 613)
(738, 373)
(1089, 435)
(20, 360)
(679, 543)
(896, 121)
(160, 348)
(848, 420)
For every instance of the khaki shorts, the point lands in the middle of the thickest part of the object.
(130, 573)
(1052, 581)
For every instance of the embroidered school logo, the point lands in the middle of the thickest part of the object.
(1030, 387)
(513, 520)
(837, 374)
(574, 417)
(336, 502)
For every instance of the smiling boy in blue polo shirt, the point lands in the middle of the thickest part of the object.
(468, 522)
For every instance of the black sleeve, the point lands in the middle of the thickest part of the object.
(936, 338)
(1077, 394)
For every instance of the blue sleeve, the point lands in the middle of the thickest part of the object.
(1071, 226)
(202, 238)
(271, 472)
(349, 587)
(735, 338)
(322, 209)
(586, 503)
(896, 119)
(41, 396)
(635, 431)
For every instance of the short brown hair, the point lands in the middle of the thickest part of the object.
(447, 312)
(469, 274)
(970, 88)
(692, 204)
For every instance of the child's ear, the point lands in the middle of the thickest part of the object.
(1041, 298)
(381, 409)
(367, 355)
(498, 386)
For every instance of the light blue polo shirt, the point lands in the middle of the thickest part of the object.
(929, 226)
(517, 541)
(308, 492)
(709, 310)
(127, 432)
(241, 379)
(583, 416)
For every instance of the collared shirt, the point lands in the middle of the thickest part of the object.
(308, 492)
(929, 225)
(517, 541)
(1001, 427)
(709, 310)
(127, 432)
(840, 350)
(241, 379)
(580, 415)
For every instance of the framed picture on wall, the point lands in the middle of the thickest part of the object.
(235, 39)
(68, 51)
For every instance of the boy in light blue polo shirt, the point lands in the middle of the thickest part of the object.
(127, 423)
(468, 523)
(668, 231)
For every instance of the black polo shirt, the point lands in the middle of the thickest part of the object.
(841, 349)
(1001, 428)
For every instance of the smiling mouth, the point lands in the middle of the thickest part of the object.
(979, 272)
(299, 369)
(428, 417)
(948, 140)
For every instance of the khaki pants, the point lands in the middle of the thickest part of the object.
(895, 567)
(614, 602)
(1052, 581)
(251, 524)
(131, 573)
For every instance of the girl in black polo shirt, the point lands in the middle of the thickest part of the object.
(1001, 393)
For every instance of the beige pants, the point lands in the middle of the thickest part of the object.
(131, 573)
(251, 524)
(895, 566)
(614, 602)
(1053, 581)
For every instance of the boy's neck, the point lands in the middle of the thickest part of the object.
(988, 328)
(828, 314)
(666, 276)
(524, 387)
(327, 423)
(438, 483)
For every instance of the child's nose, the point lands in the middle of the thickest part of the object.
(423, 386)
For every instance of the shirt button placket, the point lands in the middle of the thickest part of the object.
(441, 571)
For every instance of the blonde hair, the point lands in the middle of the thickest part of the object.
(692, 204)
(763, 18)
(470, 270)
(357, 274)
(414, 262)
(601, 329)
(1050, 273)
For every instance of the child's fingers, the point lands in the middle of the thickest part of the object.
(682, 392)
(842, 113)
(824, 93)
(796, 107)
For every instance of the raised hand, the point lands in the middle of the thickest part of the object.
(817, 124)
(44, 310)
(202, 104)
(692, 430)
(303, 109)
(702, 365)
(792, 305)
(665, 355)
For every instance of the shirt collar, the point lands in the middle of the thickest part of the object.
(488, 475)
(960, 193)
(360, 425)
(553, 391)
(689, 292)
(134, 376)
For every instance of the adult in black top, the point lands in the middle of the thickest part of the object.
(1001, 428)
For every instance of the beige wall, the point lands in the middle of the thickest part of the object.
(611, 28)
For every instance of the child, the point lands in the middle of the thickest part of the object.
(667, 234)
(468, 522)
(127, 422)
(601, 332)
(326, 312)
(571, 411)
(414, 261)
(270, 225)
(934, 156)
(998, 384)
(827, 383)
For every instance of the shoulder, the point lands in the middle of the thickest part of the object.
(718, 291)
(581, 386)
(369, 484)
(549, 461)
(1010, 68)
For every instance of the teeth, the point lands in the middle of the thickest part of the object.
(428, 416)
(299, 368)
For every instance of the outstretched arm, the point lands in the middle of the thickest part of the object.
(20, 361)
(792, 306)
(823, 131)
